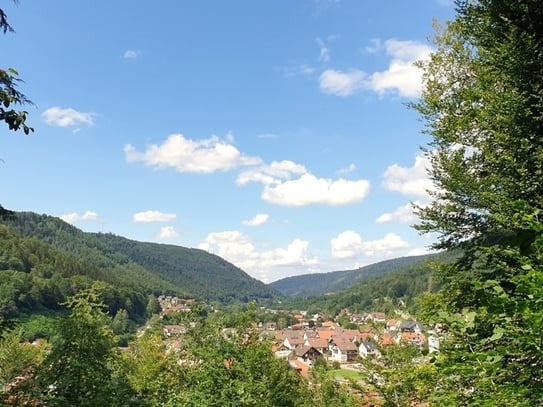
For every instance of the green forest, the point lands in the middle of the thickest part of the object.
(79, 317)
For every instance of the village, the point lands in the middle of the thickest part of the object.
(312, 337)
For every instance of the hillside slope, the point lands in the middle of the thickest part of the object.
(308, 285)
(189, 272)
(207, 275)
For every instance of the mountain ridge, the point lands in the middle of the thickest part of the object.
(307, 285)
(186, 271)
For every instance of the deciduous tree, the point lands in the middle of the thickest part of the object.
(483, 107)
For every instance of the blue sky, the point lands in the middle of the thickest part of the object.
(272, 133)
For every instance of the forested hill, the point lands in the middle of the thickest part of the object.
(385, 291)
(205, 274)
(308, 285)
(155, 267)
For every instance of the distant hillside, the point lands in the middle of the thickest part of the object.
(308, 285)
(154, 267)
(206, 275)
(385, 292)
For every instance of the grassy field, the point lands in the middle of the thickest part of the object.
(346, 374)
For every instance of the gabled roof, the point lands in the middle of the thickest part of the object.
(317, 343)
(326, 334)
(370, 346)
(413, 337)
(386, 340)
(304, 350)
(344, 344)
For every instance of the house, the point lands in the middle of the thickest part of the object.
(368, 348)
(433, 344)
(270, 326)
(308, 354)
(386, 340)
(281, 351)
(358, 318)
(411, 326)
(392, 325)
(325, 333)
(299, 317)
(319, 344)
(310, 334)
(330, 325)
(293, 339)
(173, 330)
(343, 350)
(378, 317)
(352, 335)
(417, 339)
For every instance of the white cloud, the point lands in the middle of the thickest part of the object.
(409, 181)
(194, 156)
(401, 76)
(310, 190)
(280, 188)
(259, 219)
(345, 245)
(404, 214)
(238, 249)
(167, 232)
(88, 215)
(349, 244)
(419, 251)
(131, 54)
(75, 217)
(153, 216)
(58, 116)
(339, 83)
(272, 173)
(324, 50)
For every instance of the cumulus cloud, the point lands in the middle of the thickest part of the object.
(409, 181)
(401, 76)
(75, 217)
(338, 83)
(131, 54)
(404, 214)
(153, 216)
(61, 117)
(271, 173)
(167, 232)
(289, 184)
(419, 251)
(238, 249)
(193, 156)
(310, 190)
(259, 219)
(349, 244)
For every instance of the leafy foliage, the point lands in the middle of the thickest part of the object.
(79, 370)
(10, 94)
(44, 260)
(483, 104)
